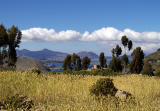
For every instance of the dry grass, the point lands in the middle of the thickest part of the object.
(71, 93)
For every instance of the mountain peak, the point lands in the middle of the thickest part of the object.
(91, 55)
(25, 50)
(45, 49)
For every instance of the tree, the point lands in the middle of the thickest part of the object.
(9, 41)
(73, 58)
(79, 65)
(113, 52)
(85, 63)
(130, 45)
(3, 35)
(3, 41)
(125, 59)
(124, 41)
(136, 64)
(67, 63)
(118, 51)
(102, 60)
(147, 69)
(115, 64)
(76, 61)
(14, 39)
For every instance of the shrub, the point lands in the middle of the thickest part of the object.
(103, 87)
(18, 102)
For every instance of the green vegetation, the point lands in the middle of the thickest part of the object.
(9, 41)
(136, 64)
(85, 63)
(103, 87)
(76, 61)
(69, 92)
(105, 72)
(126, 42)
(67, 63)
(72, 62)
(102, 60)
(124, 60)
(118, 51)
(115, 64)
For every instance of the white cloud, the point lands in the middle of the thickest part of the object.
(149, 41)
(49, 35)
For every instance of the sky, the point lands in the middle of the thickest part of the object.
(83, 25)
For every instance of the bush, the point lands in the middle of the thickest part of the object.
(18, 102)
(103, 87)
(34, 70)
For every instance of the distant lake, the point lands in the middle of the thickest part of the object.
(58, 70)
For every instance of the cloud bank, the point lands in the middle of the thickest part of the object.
(108, 35)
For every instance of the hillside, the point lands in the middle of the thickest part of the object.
(154, 59)
(25, 63)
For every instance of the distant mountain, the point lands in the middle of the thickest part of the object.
(46, 54)
(88, 54)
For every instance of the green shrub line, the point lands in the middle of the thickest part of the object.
(94, 72)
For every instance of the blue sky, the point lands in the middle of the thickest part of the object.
(80, 16)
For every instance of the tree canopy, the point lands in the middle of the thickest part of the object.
(85, 63)
(102, 60)
(9, 41)
(136, 64)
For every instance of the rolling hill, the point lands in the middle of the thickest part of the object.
(154, 59)
(25, 63)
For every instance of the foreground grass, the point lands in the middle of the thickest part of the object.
(68, 92)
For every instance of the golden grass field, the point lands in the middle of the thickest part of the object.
(71, 93)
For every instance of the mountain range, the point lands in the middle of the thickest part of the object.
(46, 54)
